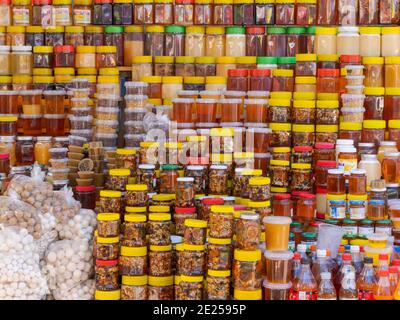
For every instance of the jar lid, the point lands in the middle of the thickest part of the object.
(328, 73)
(235, 30)
(85, 188)
(326, 163)
(215, 30)
(64, 49)
(348, 58)
(324, 145)
(173, 29)
(255, 30)
(251, 256)
(331, 128)
(115, 29)
(374, 124)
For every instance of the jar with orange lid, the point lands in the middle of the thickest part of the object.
(85, 57)
(282, 80)
(41, 151)
(255, 40)
(171, 86)
(93, 35)
(63, 12)
(390, 41)
(305, 84)
(373, 131)
(15, 36)
(325, 39)
(154, 42)
(143, 12)
(141, 67)
(21, 12)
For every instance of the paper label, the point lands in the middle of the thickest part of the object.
(347, 164)
(82, 16)
(20, 16)
(62, 16)
(303, 295)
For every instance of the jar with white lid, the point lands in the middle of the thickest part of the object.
(325, 40)
(347, 159)
(343, 143)
(370, 41)
(390, 41)
(348, 41)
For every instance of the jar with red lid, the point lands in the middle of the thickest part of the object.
(223, 12)
(255, 41)
(24, 151)
(350, 130)
(54, 124)
(260, 80)
(276, 42)
(347, 60)
(306, 208)
(64, 56)
(306, 12)
(324, 151)
(31, 124)
(86, 195)
(183, 14)
(42, 13)
(328, 81)
(284, 12)
(302, 154)
(282, 205)
(373, 131)
(282, 80)
(202, 12)
(321, 172)
(237, 80)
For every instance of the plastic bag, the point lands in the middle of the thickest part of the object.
(20, 274)
(65, 207)
(67, 264)
(82, 291)
(81, 226)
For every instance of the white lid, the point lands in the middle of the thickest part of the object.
(136, 97)
(348, 29)
(354, 66)
(81, 118)
(176, 239)
(185, 179)
(75, 137)
(107, 122)
(218, 167)
(133, 123)
(136, 110)
(344, 142)
(354, 249)
(107, 97)
(277, 255)
(59, 160)
(258, 93)
(255, 101)
(321, 253)
(366, 144)
(82, 108)
(30, 116)
(355, 77)
(392, 185)
(335, 171)
(146, 166)
(392, 154)
(7, 138)
(195, 168)
(229, 198)
(234, 125)
(21, 48)
(259, 130)
(210, 92)
(378, 236)
(54, 93)
(8, 93)
(58, 170)
(5, 48)
(108, 109)
(43, 138)
(277, 286)
(230, 101)
(30, 92)
(183, 100)
(206, 100)
(349, 96)
(107, 135)
(235, 93)
(25, 138)
(58, 150)
(249, 216)
(79, 99)
(348, 149)
(387, 143)
(132, 84)
(251, 125)
(277, 220)
(188, 92)
(262, 155)
(358, 171)
(352, 110)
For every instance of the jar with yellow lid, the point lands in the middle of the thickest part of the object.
(306, 96)
(107, 248)
(327, 112)
(106, 56)
(195, 41)
(284, 12)
(391, 104)
(325, 40)
(246, 62)
(218, 285)
(159, 226)
(55, 36)
(107, 295)
(223, 12)
(118, 179)
(374, 103)
(202, 14)
(63, 12)
(216, 83)
(306, 65)
(164, 66)
(373, 131)
(108, 225)
(390, 41)
(85, 57)
(215, 41)
(373, 71)
(195, 84)
(350, 130)
(265, 12)
(123, 12)
(326, 133)
(134, 230)
(134, 288)
(15, 36)
(160, 260)
(224, 64)
(21, 12)
(281, 135)
(20, 82)
(205, 66)
(133, 261)
(74, 36)
(5, 60)
(370, 41)
(143, 12)
(249, 263)
(193, 260)
(394, 131)
(235, 42)
(183, 12)
(63, 75)
(161, 288)
(171, 86)
(110, 201)
(305, 84)
(191, 287)
(153, 86)
(126, 158)
(164, 12)
(243, 12)
(43, 57)
(184, 66)
(303, 111)
(154, 41)
(141, 67)
(392, 71)
(282, 80)
(5, 83)
(93, 35)
(133, 43)
(21, 60)
(35, 36)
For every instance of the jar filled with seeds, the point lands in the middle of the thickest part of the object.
(133, 261)
(161, 288)
(126, 158)
(199, 174)
(248, 231)
(134, 288)
(301, 177)
(221, 222)
(260, 189)
(195, 232)
(191, 287)
(168, 178)
(218, 179)
(185, 194)
(110, 201)
(159, 229)
(160, 261)
(136, 195)
(108, 225)
(118, 179)
(107, 248)
(146, 174)
(247, 268)
(107, 275)
(218, 284)
(193, 261)
(279, 172)
(134, 230)
(219, 253)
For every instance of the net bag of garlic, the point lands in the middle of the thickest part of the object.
(82, 291)
(81, 226)
(20, 274)
(68, 264)
(64, 207)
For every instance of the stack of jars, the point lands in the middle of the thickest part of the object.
(81, 120)
(59, 165)
(260, 195)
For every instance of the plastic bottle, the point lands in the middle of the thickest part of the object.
(313, 254)
(348, 289)
(345, 268)
(356, 257)
(302, 249)
(339, 257)
(326, 289)
(396, 263)
(333, 266)
(296, 265)
(367, 281)
(304, 286)
(320, 265)
(393, 278)
(383, 262)
(382, 288)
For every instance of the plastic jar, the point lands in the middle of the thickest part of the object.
(306, 65)
(373, 131)
(255, 41)
(54, 101)
(336, 206)
(141, 67)
(171, 86)
(303, 112)
(373, 71)
(370, 41)
(235, 42)
(321, 171)
(328, 81)
(54, 124)
(376, 210)
(282, 80)
(279, 172)
(85, 57)
(374, 103)
(325, 40)
(164, 66)
(249, 262)
(64, 56)
(114, 36)
(276, 41)
(21, 12)
(284, 12)
(281, 135)
(296, 41)
(21, 60)
(348, 41)
(351, 130)
(123, 12)
(237, 80)
(15, 36)
(303, 135)
(392, 71)
(301, 177)
(34, 36)
(390, 41)
(391, 102)
(143, 12)
(205, 66)
(215, 41)
(306, 12)
(63, 12)
(24, 151)
(195, 41)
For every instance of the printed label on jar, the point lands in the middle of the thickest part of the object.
(365, 295)
(48, 16)
(350, 230)
(309, 244)
(337, 209)
(21, 16)
(366, 230)
(357, 213)
(303, 295)
(347, 164)
(82, 16)
(62, 16)
(385, 230)
(5, 16)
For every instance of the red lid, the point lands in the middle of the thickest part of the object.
(299, 193)
(324, 145)
(313, 247)
(326, 163)
(239, 207)
(5, 2)
(212, 201)
(341, 249)
(255, 30)
(238, 73)
(361, 249)
(328, 73)
(350, 58)
(383, 273)
(4, 156)
(260, 73)
(199, 160)
(396, 262)
(303, 148)
(85, 188)
(296, 256)
(64, 49)
(393, 269)
(102, 1)
(322, 190)
(346, 256)
(281, 196)
(383, 256)
(185, 210)
(41, 2)
(184, 1)
(308, 196)
(106, 263)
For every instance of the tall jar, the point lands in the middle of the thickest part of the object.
(373, 71)
(370, 41)
(296, 40)
(276, 41)
(203, 12)
(174, 41)
(195, 41)
(348, 41)
(325, 40)
(235, 41)
(114, 36)
(390, 41)
(215, 41)
(143, 12)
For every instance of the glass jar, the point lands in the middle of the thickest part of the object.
(21, 60)
(336, 181)
(218, 179)
(276, 41)
(24, 151)
(376, 210)
(390, 41)
(235, 41)
(321, 171)
(325, 40)
(114, 36)
(41, 152)
(248, 262)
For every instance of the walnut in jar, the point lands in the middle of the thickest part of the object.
(191, 287)
(134, 288)
(146, 174)
(160, 261)
(218, 284)
(118, 179)
(134, 230)
(108, 225)
(161, 288)
(195, 231)
(193, 260)
(219, 254)
(185, 194)
(133, 261)
(248, 231)
(247, 268)
(107, 275)
(110, 201)
(107, 248)
(159, 228)
(221, 221)
(279, 172)
(136, 195)
(259, 189)
(218, 179)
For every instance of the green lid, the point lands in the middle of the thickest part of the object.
(366, 221)
(350, 236)
(383, 222)
(175, 29)
(362, 236)
(331, 221)
(311, 29)
(267, 60)
(235, 30)
(295, 224)
(349, 221)
(276, 30)
(114, 29)
(169, 167)
(296, 30)
(286, 60)
(291, 235)
(309, 235)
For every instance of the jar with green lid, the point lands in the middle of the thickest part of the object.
(349, 237)
(292, 242)
(296, 41)
(34, 36)
(114, 36)
(309, 239)
(174, 41)
(366, 227)
(349, 226)
(168, 178)
(384, 226)
(267, 63)
(287, 63)
(235, 42)
(276, 41)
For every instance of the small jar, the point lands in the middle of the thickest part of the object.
(237, 80)
(221, 222)
(374, 103)
(159, 228)
(281, 135)
(248, 262)
(260, 80)
(279, 110)
(301, 177)
(284, 12)
(336, 181)
(170, 88)
(306, 208)
(195, 232)
(15, 36)
(134, 288)
(326, 133)
(255, 41)
(324, 151)
(306, 12)
(107, 275)
(191, 287)
(160, 261)
(54, 124)
(136, 195)
(373, 71)
(218, 285)
(306, 65)
(321, 171)
(133, 261)
(193, 260)
(391, 102)
(282, 80)
(357, 206)
(357, 182)
(348, 41)
(246, 240)
(21, 13)
(21, 60)
(259, 189)
(110, 201)
(336, 206)
(35, 36)
(107, 248)
(303, 134)
(264, 12)
(86, 195)
(223, 12)
(235, 44)
(279, 172)
(205, 66)
(376, 210)
(281, 205)
(185, 192)
(134, 230)
(143, 12)
(106, 57)
(64, 56)
(108, 225)
(390, 41)
(218, 180)
(327, 112)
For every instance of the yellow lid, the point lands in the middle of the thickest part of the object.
(226, 60)
(64, 71)
(283, 163)
(172, 80)
(86, 49)
(390, 30)
(193, 278)
(321, 128)
(173, 145)
(243, 155)
(194, 29)
(136, 209)
(304, 96)
(163, 197)
(359, 242)
(159, 216)
(281, 150)
(120, 172)
(374, 91)
(8, 119)
(327, 104)
(135, 217)
(61, 2)
(247, 295)
(301, 166)
(42, 71)
(195, 223)
(126, 151)
(136, 187)
(205, 60)
(327, 96)
(134, 29)
(15, 29)
(194, 80)
(87, 71)
(164, 59)
(369, 30)
(163, 1)
(305, 80)
(93, 29)
(56, 29)
(280, 126)
(250, 172)
(251, 256)
(196, 138)
(106, 295)
(134, 280)
(282, 72)
(154, 29)
(353, 126)
(21, 79)
(284, 1)
(222, 132)
(259, 204)
(108, 72)
(246, 60)
(33, 29)
(194, 247)
(216, 80)
(281, 95)
(390, 91)
(374, 124)
(304, 104)
(219, 273)
(74, 29)
(184, 59)
(202, 1)
(108, 216)
(160, 281)
(161, 248)
(6, 79)
(179, 247)
(151, 79)
(357, 197)
(392, 60)
(373, 60)
(43, 79)
(106, 49)
(215, 30)
(279, 190)
(222, 209)
(133, 251)
(108, 79)
(279, 103)
(303, 128)
(219, 241)
(149, 144)
(307, 1)
(259, 181)
(107, 240)
(110, 194)
(306, 57)
(221, 158)
(394, 124)
(330, 196)
(326, 31)
(43, 49)
(327, 57)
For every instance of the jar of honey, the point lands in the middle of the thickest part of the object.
(41, 151)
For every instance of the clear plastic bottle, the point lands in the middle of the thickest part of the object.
(296, 265)
(383, 262)
(346, 268)
(304, 286)
(393, 278)
(382, 289)
(326, 289)
(321, 265)
(348, 289)
(366, 281)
